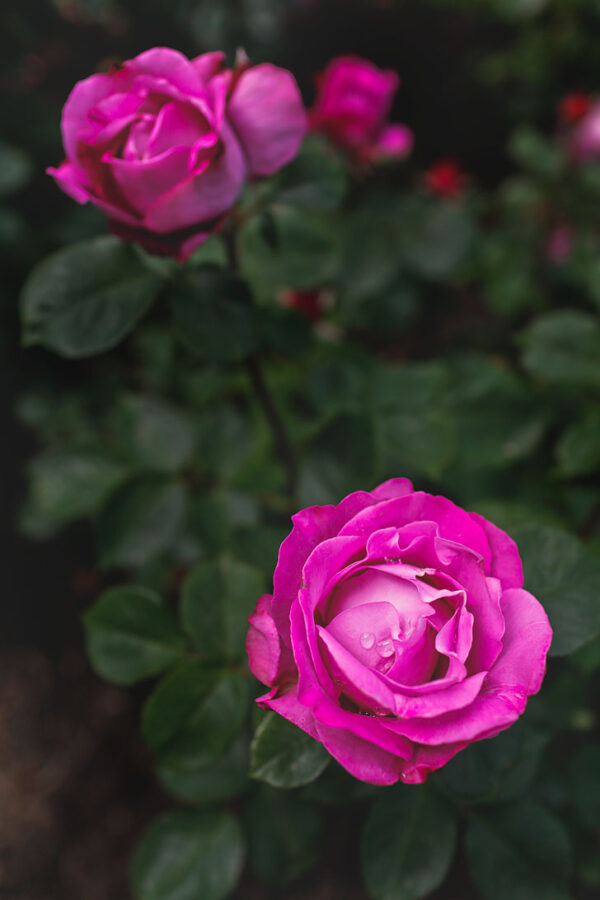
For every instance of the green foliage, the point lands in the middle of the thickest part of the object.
(284, 835)
(407, 844)
(194, 716)
(284, 756)
(187, 854)
(216, 600)
(131, 635)
(497, 770)
(140, 521)
(86, 298)
(213, 315)
(519, 851)
(565, 577)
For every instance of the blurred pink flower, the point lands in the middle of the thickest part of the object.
(583, 138)
(559, 244)
(354, 99)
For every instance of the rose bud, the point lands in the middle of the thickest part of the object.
(164, 144)
(398, 632)
(573, 107)
(354, 99)
(445, 178)
(559, 244)
(583, 140)
(310, 302)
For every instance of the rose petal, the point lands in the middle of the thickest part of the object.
(427, 760)
(201, 197)
(83, 97)
(358, 756)
(356, 680)
(143, 182)
(268, 115)
(69, 178)
(506, 562)
(526, 642)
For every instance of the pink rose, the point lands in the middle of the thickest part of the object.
(559, 244)
(163, 145)
(352, 106)
(583, 140)
(398, 632)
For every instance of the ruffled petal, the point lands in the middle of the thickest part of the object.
(506, 562)
(358, 756)
(83, 97)
(202, 197)
(268, 115)
(526, 642)
(143, 182)
(71, 180)
(427, 760)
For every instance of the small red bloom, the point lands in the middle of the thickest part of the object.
(445, 178)
(309, 303)
(573, 107)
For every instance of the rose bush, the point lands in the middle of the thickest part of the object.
(352, 106)
(398, 632)
(163, 144)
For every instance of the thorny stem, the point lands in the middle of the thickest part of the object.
(253, 367)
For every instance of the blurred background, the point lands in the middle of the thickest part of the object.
(75, 780)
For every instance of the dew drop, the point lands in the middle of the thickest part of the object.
(367, 640)
(385, 648)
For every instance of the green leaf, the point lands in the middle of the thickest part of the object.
(408, 844)
(284, 834)
(563, 347)
(519, 852)
(188, 855)
(131, 635)
(495, 770)
(289, 248)
(194, 716)
(424, 442)
(532, 150)
(217, 598)
(342, 455)
(15, 169)
(578, 449)
(68, 484)
(565, 578)
(214, 315)
(438, 239)
(86, 298)
(161, 436)
(215, 784)
(585, 781)
(140, 521)
(284, 756)
(316, 179)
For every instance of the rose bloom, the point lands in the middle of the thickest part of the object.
(353, 103)
(309, 302)
(573, 107)
(583, 140)
(559, 244)
(398, 632)
(445, 178)
(163, 144)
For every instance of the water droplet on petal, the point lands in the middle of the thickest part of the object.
(385, 648)
(367, 640)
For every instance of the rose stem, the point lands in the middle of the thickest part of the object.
(253, 367)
